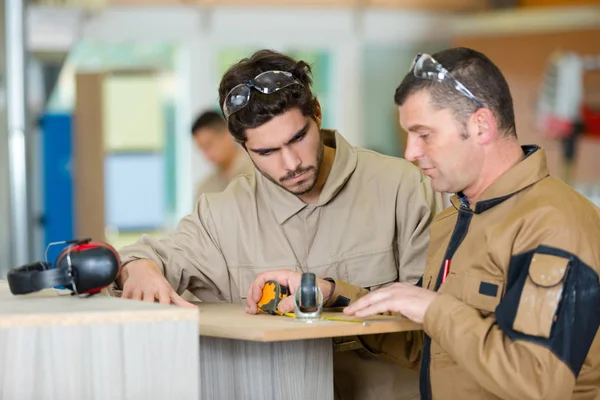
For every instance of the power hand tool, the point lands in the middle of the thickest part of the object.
(272, 294)
(308, 302)
(308, 299)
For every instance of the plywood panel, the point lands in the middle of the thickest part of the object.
(522, 58)
(294, 370)
(64, 309)
(50, 306)
(232, 322)
(55, 346)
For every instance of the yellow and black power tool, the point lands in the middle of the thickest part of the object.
(272, 294)
(308, 300)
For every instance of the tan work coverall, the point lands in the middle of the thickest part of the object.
(369, 228)
(518, 314)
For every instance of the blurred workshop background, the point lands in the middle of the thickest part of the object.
(97, 97)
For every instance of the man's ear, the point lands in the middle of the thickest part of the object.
(318, 114)
(486, 125)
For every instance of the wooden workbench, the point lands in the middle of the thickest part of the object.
(57, 346)
(246, 356)
(231, 321)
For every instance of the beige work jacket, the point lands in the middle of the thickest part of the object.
(369, 228)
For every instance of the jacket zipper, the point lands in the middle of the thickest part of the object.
(458, 235)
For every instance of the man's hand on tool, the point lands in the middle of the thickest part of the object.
(291, 280)
(406, 299)
(142, 280)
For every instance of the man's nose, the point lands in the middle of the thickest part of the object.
(414, 150)
(291, 160)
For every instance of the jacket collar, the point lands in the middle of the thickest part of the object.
(286, 204)
(530, 170)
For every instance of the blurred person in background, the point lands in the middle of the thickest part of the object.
(212, 138)
(357, 219)
(228, 159)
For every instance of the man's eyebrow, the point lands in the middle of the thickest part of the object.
(296, 136)
(300, 133)
(418, 128)
(262, 151)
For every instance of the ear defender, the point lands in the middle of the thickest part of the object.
(84, 267)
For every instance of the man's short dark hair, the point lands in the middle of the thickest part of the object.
(209, 119)
(263, 107)
(479, 74)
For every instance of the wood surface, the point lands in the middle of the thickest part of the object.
(107, 347)
(55, 347)
(88, 160)
(239, 369)
(58, 307)
(221, 320)
(232, 322)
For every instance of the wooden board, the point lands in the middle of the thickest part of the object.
(55, 346)
(240, 369)
(220, 320)
(232, 322)
(56, 307)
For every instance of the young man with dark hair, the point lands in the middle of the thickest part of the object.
(510, 298)
(210, 134)
(318, 204)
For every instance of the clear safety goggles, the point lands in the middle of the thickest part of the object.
(266, 82)
(426, 67)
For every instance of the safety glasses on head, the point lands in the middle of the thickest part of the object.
(425, 66)
(266, 82)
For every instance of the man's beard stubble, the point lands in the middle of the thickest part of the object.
(301, 170)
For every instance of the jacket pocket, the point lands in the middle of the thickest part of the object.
(483, 292)
(372, 270)
(541, 295)
(336, 270)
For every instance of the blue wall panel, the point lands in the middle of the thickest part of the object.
(57, 179)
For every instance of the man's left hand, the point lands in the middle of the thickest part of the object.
(406, 299)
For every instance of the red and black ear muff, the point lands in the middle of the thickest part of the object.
(92, 265)
(35, 277)
(82, 267)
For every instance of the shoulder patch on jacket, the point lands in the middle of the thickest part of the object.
(541, 295)
(552, 299)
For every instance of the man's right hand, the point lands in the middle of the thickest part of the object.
(143, 280)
